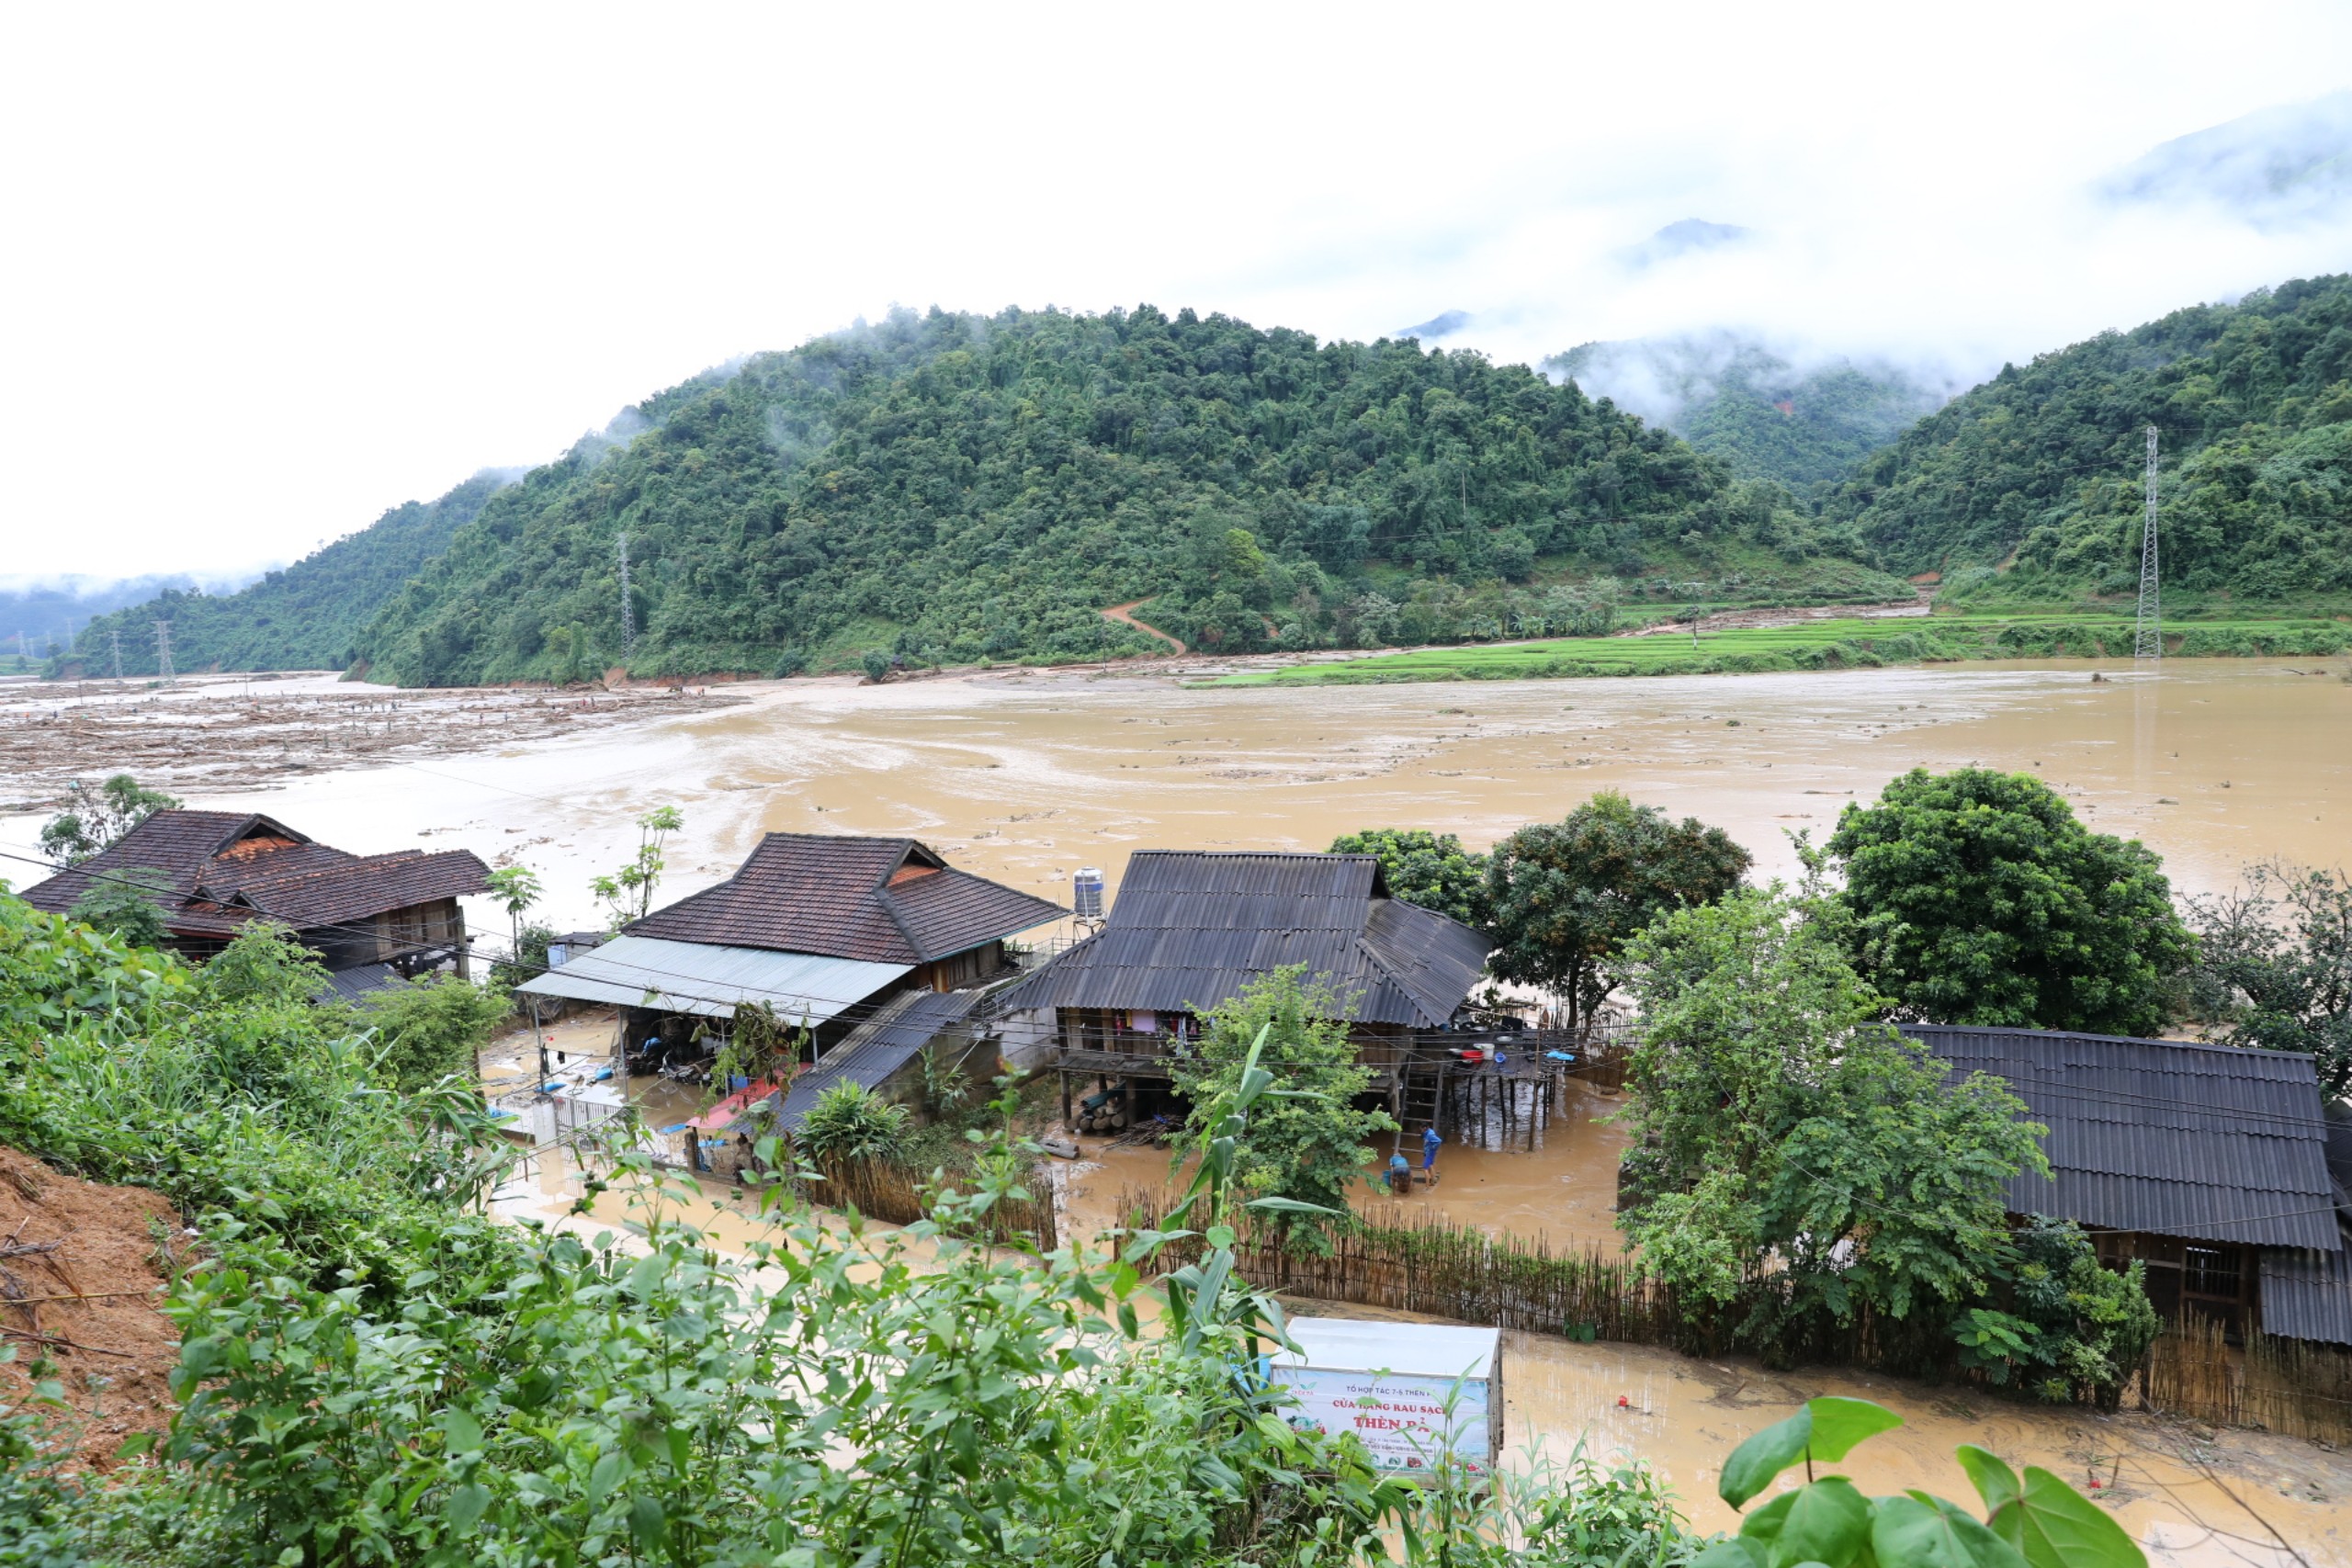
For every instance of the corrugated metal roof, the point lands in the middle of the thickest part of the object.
(884, 900)
(2207, 1143)
(878, 1047)
(2307, 1294)
(1191, 928)
(350, 985)
(709, 980)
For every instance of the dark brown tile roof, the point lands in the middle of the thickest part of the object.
(882, 900)
(226, 868)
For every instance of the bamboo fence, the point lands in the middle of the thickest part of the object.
(2288, 1386)
(1431, 1265)
(898, 1194)
(1426, 1264)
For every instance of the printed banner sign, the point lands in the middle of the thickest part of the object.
(1402, 1420)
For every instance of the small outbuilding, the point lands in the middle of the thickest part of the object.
(2208, 1164)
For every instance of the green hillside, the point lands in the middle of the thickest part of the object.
(303, 617)
(1736, 399)
(2028, 490)
(951, 487)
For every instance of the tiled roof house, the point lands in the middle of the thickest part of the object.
(368, 917)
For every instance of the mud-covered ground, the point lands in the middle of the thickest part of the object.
(214, 734)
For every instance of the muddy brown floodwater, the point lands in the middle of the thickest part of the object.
(1027, 776)
(1559, 1186)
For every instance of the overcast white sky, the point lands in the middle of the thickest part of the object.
(270, 271)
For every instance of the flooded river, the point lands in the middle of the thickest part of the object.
(1027, 776)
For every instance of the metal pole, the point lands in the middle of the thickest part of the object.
(164, 650)
(2147, 635)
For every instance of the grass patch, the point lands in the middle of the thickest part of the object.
(1817, 645)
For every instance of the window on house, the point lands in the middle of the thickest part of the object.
(2210, 1272)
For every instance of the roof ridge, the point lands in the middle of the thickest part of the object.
(880, 891)
(2238, 1052)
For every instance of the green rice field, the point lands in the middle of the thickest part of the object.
(1851, 643)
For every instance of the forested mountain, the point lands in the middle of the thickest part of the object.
(951, 487)
(302, 617)
(45, 618)
(2028, 488)
(1736, 399)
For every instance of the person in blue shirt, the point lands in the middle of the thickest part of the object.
(1430, 1141)
(1400, 1174)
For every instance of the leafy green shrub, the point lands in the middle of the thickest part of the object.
(850, 1121)
(427, 1030)
(1432, 870)
(123, 905)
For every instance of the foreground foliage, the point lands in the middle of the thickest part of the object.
(441, 1389)
(2039, 1522)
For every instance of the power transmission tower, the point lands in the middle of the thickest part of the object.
(2148, 637)
(628, 611)
(164, 650)
(116, 632)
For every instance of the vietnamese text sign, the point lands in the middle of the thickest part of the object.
(1402, 1420)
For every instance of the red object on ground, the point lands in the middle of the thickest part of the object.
(717, 1118)
(1623, 1403)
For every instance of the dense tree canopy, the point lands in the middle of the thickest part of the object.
(1768, 419)
(1772, 1118)
(1563, 897)
(1432, 870)
(2274, 966)
(2038, 472)
(951, 487)
(1976, 898)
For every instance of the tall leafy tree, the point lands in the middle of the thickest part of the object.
(1306, 1144)
(1564, 898)
(1775, 1122)
(2274, 966)
(628, 892)
(1976, 898)
(1431, 870)
(95, 818)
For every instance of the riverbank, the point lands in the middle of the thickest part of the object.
(1846, 643)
